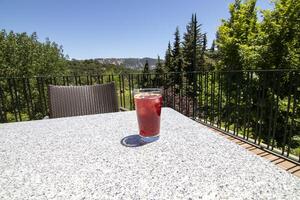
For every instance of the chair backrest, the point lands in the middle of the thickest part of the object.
(65, 101)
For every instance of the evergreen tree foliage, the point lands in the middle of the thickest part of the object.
(177, 60)
(192, 46)
(168, 67)
(145, 77)
(204, 46)
(159, 72)
(213, 46)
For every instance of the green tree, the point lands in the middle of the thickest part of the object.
(177, 60)
(279, 48)
(245, 43)
(202, 55)
(168, 67)
(235, 38)
(24, 55)
(145, 77)
(193, 53)
(213, 46)
(280, 36)
(236, 35)
(159, 73)
(192, 46)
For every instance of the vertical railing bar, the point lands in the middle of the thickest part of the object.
(13, 102)
(132, 80)
(113, 77)
(285, 126)
(292, 124)
(79, 80)
(26, 97)
(76, 81)
(173, 92)
(271, 111)
(101, 77)
(120, 90)
(17, 99)
(249, 114)
(44, 96)
(275, 120)
(227, 96)
(123, 88)
(40, 94)
(245, 99)
(287, 116)
(139, 81)
(206, 97)
(258, 102)
(200, 96)
(238, 121)
(219, 123)
(262, 107)
(179, 97)
(194, 94)
(165, 96)
(55, 82)
(3, 110)
(30, 97)
(130, 90)
(94, 79)
(236, 106)
(98, 78)
(184, 82)
(1, 106)
(87, 79)
(67, 79)
(64, 81)
(212, 99)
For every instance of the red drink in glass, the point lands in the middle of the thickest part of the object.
(148, 103)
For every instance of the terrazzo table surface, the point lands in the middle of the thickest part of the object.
(82, 158)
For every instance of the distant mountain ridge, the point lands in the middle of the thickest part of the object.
(132, 63)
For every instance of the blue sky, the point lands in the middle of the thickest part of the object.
(112, 28)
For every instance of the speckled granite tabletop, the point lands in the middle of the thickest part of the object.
(82, 158)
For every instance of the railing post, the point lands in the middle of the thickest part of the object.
(286, 120)
(3, 118)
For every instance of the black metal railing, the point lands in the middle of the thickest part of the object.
(259, 106)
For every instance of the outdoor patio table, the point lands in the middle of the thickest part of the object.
(83, 158)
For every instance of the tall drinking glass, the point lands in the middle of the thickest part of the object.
(148, 103)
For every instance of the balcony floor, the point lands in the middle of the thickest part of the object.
(280, 162)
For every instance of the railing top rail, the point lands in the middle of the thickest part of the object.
(153, 73)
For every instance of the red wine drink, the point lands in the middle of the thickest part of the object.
(148, 103)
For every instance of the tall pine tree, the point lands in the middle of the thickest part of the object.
(159, 72)
(177, 60)
(192, 52)
(168, 59)
(145, 77)
(192, 45)
(203, 49)
(213, 46)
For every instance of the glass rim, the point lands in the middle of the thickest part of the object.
(142, 90)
